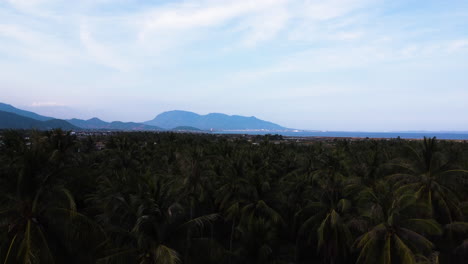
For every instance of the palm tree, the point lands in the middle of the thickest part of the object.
(454, 244)
(143, 218)
(397, 233)
(432, 178)
(231, 196)
(328, 217)
(40, 217)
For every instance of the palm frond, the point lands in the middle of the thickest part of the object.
(117, 254)
(166, 255)
(425, 226)
(458, 227)
(10, 247)
(200, 221)
(416, 240)
(344, 205)
(368, 245)
(407, 256)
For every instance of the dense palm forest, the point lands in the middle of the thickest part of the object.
(186, 198)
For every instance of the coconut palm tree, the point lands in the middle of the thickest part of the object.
(143, 218)
(40, 219)
(432, 177)
(328, 216)
(231, 195)
(397, 231)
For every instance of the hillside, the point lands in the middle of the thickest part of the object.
(11, 109)
(178, 120)
(216, 121)
(13, 121)
(186, 128)
(96, 123)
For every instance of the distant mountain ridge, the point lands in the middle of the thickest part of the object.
(96, 123)
(186, 128)
(176, 120)
(9, 120)
(12, 109)
(215, 121)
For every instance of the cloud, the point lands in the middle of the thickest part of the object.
(208, 14)
(337, 58)
(35, 45)
(41, 104)
(330, 9)
(27, 4)
(152, 34)
(38, 8)
(204, 49)
(101, 53)
(264, 26)
(17, 33)
(457, 45)
(212, 14)
(347, 36)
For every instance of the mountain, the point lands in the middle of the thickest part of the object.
(186, 128)
(96, 123)
(214, 121)
(57, 111)
(12, 109)
(10, 120)
(178, 120)
(93, 123)
(132, 126)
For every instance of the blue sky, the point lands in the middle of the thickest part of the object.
(368, 65)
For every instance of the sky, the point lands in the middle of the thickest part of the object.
(347, 65)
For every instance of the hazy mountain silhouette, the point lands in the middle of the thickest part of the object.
(186, 128)
(216, 121)
(178, 120)
(92, 123)
(10, 120)
(12, 109)
(96, 123)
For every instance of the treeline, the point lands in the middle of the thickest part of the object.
(184, 198)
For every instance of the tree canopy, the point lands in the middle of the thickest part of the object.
(199, 198)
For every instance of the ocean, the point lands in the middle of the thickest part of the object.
(405, 135)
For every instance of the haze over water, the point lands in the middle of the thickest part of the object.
(415, 135)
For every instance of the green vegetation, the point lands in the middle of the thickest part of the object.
(188, 198)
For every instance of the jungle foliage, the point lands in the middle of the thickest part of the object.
(194, 198)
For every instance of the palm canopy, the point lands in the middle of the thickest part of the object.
(144, 219)
(432, 177)
(155, 198)
(396, 232)
(40, 219)
(328, 213)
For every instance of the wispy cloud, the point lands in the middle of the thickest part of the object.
(332, 59)
(17, 33)
(101, 53)
(30, 44)
(168, 28)
(41, 104)
(199, 50)
(202, 14)
(457, 45)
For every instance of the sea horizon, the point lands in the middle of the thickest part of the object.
(356, 134)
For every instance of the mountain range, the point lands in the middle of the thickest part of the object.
(214, 121)
(14, 110)
(96, 123)
(9, 120)
(14, 118)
